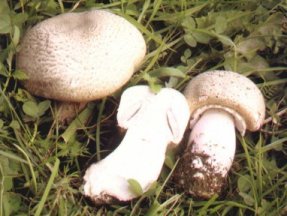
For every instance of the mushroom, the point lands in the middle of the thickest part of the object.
(219, 101)
(153, 122)
(80, 57)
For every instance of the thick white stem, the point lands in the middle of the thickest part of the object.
(152, 121)
(214, 136)
(209, 154)
(138, 157)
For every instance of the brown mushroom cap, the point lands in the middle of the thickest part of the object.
(80, 57)
(228, 90)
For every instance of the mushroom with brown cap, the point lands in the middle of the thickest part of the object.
(153, 122)
(219, 101)
(79, 57)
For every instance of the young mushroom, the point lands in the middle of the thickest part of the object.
(80, 57)
(219, 101)
(153, 122)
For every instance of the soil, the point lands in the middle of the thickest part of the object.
(201, 184)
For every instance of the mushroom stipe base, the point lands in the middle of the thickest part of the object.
(105, 199)
(210, 181)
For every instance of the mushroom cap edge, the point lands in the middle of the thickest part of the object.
(233, 92)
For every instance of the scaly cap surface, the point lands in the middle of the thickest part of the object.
(228, 90)
(80, 56)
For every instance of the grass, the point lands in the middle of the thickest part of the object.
(42, 162)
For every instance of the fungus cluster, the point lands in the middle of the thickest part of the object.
(79, 57)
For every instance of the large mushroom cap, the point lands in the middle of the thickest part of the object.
(80, 56)
(230, 91)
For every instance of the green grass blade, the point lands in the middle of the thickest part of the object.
(78, 122)
(54, 173)
(274, 145)
(30, 166)
(13, 157)
(98, 132)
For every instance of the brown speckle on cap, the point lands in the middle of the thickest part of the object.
(80, 56)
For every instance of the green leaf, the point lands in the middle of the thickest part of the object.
(225, 40)
(167, 72)
(186, 59)
(43, 107)
(22, 95)
(4, 8)
(220, 24)
(72, 149)
(152, 82)
(16, 35)
(201, 37)
(3, 70)
(152, 189)
(247, 198)
(15, 125)
(20, 75)
(1, 123)
(190, 40)
(243, 183)
(8, 169)
(11, 203)
(30, 108)
(5, 24)
(35, 110)
(7, 183)
(76, 149)
(135, 187)
(172, 82)
(155, 87)
(19, 18)
(52, 6)
(188, 22)
(187, 53)
(5, 179)
(169, 159)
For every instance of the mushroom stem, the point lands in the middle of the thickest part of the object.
(137, 157)
(153, 122)
(210, 153)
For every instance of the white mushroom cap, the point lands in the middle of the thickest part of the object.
(80, 56)
(230, 91)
